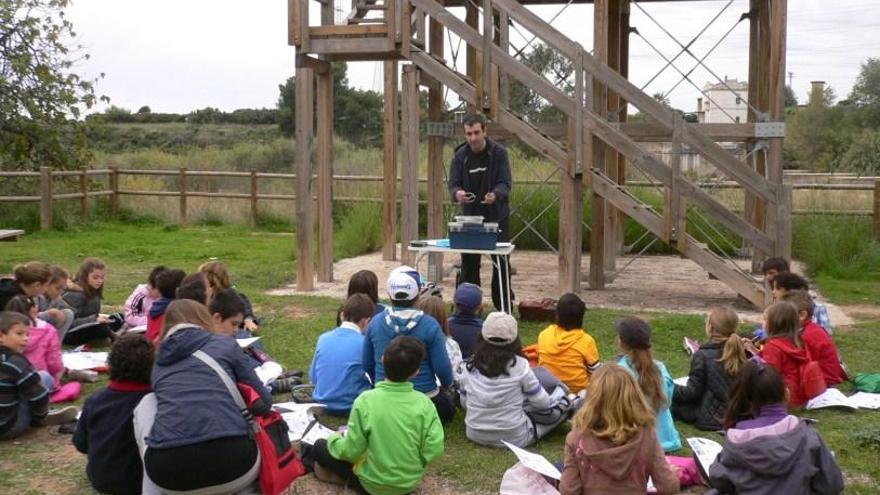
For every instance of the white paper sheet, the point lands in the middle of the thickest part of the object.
(865, 400)
(298, 417)
(84, 360)
(268, 372)
(681, 381)
(316, 432)
(831, 398)
(245, 343)
(705, 451)
(535, 462)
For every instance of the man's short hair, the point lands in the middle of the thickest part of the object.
(9, 319)
(195, 287)
(778, 264)
(570, 311)
(357, 307)
(475, 118)
(131, 358)
(168, 281)
(790, 281)
(402, 358)
(227, 303)
(802, 301)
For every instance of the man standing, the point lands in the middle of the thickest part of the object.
(479, 180)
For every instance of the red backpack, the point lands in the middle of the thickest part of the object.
(812, 379)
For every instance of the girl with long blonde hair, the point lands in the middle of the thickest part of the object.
(703, 400)
(613, 447)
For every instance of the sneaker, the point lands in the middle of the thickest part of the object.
(289, 373)
(61, 416)
(285, 384)
(83, 376)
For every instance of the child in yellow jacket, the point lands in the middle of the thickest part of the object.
(565, 349)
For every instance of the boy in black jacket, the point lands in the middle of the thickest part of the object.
(105, 430)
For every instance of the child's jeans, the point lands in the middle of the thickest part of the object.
(47, 380)
(22, 422)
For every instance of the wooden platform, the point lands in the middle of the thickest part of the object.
(10, 235)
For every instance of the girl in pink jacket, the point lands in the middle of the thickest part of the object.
(43, 347)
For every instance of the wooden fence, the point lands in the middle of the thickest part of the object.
(47, 195)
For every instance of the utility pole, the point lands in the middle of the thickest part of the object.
(790, 77)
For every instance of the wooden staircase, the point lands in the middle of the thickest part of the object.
(398, 39)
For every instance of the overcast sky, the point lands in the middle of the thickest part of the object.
(176, 56)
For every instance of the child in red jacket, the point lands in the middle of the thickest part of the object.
(784, 349)
(816, 339)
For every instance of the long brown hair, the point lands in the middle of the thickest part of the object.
(32, 272)
(642, 360)
(433, 306)
(189, 312)
(615, 408)
(782, 320)
(723, 322)
(756, 385)
(82, 277)
(218, 275)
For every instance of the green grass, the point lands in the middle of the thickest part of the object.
(261, 259)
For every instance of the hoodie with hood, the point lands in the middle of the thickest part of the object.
(666, 432)
(9, 288)
(385, 327)
(571, 355)
(781, 353)
(788, 456)
(156, 318)
(599, 467)
(194, 405)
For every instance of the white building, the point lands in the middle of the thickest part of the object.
(724, 103)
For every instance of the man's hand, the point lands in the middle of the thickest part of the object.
(490, 198)
(461, 196)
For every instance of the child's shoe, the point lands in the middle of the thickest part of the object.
(284, 385)
(61, 415)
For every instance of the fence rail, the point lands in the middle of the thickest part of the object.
(47, 196)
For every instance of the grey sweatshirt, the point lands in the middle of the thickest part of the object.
(496, 406)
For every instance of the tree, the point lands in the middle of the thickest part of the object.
(555, 67)
(863, 156)
(791, 99)
(40, 96)
(866, 90)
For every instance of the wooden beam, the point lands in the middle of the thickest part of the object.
(877, 210)
(304, 117)
(293, 24)
(389, 170)
(571, 217)
(622, 115)
(359, 30)
(351, 46)
(484, 87)
(503, 40)
(602, 256)
(436, 184)
(754, 207)
(779, 215)
(471, 18)
(325, 176)
(409, 205)
(317, 65)
(652, 132)
(46, 208)
(613, 219)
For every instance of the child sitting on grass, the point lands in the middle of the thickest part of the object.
(503, 397)
(218, 279)
(434, 306)
(634, 338)
(767, 450)
(195, 287)
(43, 348)
(104, 431)
(363, 282)
(167, 282)
(465, 323)
(337, 369)
(565, 349)
(816, 340)
(703, 400)
(28, 279)
(613, 447)
(393, 431)
(784, 349)
(84, 297)
(51, 305)
(786, 282)
(24, 401)
(137, 306)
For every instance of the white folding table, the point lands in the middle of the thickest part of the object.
(502, 250)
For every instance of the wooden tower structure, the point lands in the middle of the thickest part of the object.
(592, 151)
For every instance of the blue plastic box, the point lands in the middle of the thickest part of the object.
(466, 235)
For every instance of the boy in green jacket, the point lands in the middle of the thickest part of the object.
(393, 430)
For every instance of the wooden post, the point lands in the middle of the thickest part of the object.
(409, 206)
(877, 210)
(571, 216)
(750, 200)
(181, 182)
(503, 38)
(613, 216)
(45, 198)
(114, 188)
(437, 195)
(254, 212)
(84, 190)
(672, 208)
(598, 232)
(325, 175)
(389, 193)
(472, 69)
(484, 90)
(779, 216)
(304, 113)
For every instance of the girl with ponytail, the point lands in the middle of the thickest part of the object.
(634, 338)
(713, 367)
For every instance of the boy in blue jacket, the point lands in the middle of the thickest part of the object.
(402, 319)
(337, 370)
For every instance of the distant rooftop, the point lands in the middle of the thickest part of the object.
(733, 84)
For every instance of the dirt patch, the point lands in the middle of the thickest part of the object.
(862, 311)
(649, 283)
(292, 311)
(46, 467)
